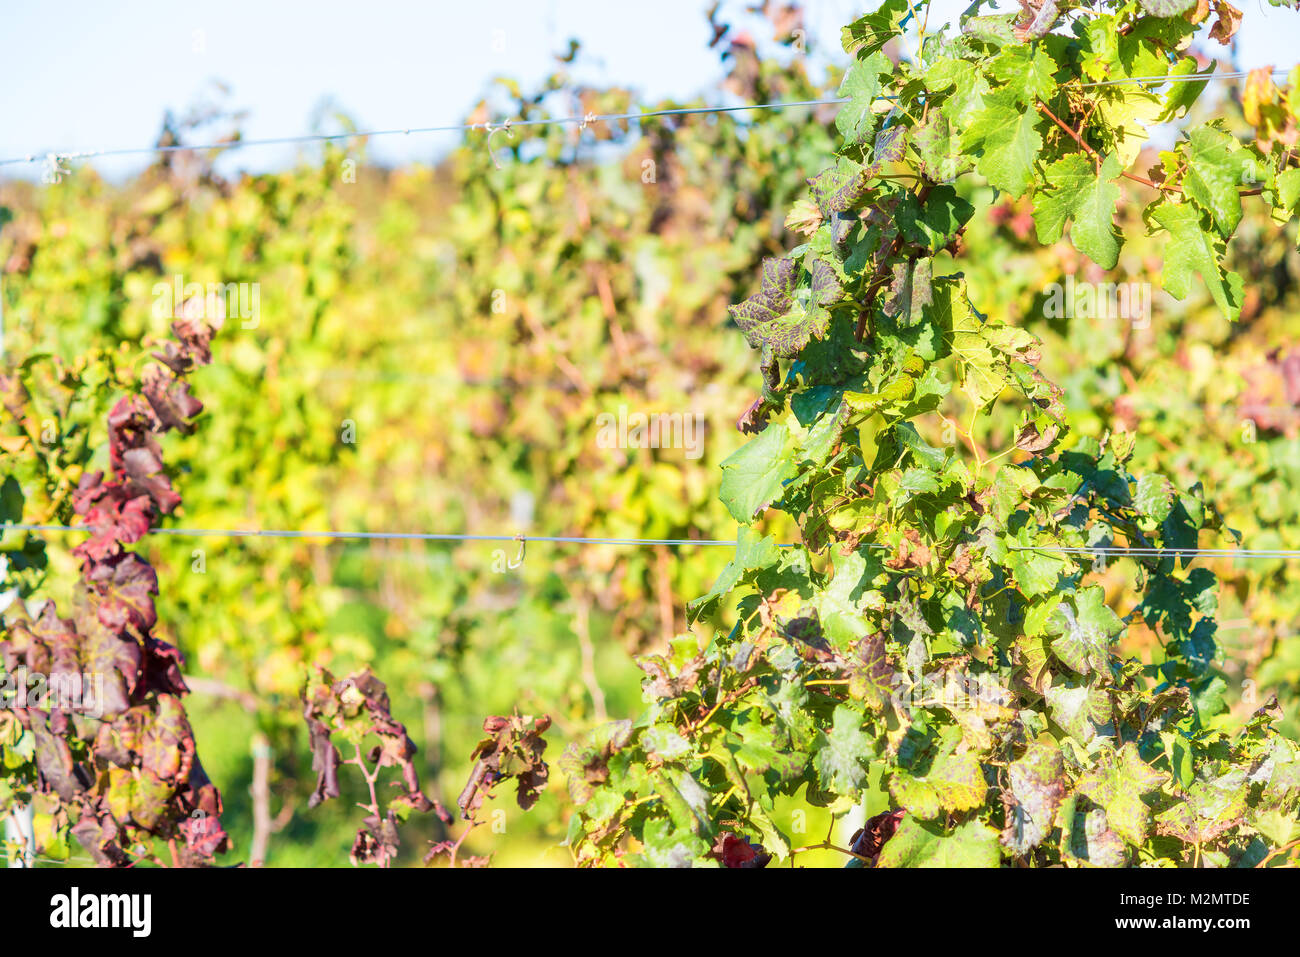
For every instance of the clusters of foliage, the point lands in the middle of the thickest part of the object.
(937, 632)
(1207, 401)
(98, 726)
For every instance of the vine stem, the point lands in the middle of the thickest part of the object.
(828, 846)
(992, 459)
(724, 700)
(1096, 158)
(968, 435)
(455, 848)
(1276, 852)
(371, 778)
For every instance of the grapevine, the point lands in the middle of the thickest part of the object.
(933, 634)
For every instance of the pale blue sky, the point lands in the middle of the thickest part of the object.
(82, 75)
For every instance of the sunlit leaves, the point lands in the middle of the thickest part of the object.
(1210, 808)
(842, 187)
(1024, 71)
(753, 476)
(1216, 167)
(933, 552)
(1154, 498)
(985, 349)
(934, 224)
(963, 86)
(753, 552)
(1167, 8)
(861, 86)
(939, 146)
(1118, 783)
(1193, 249)
(926, 844)
(1078, 192)
(841, 604)
(953, 782)
(868, 33)
(667, 845)
(1005, 135)
(1085, 631)
(840, 756)
(1078, 710)
(1036, 789)
(1036, 571)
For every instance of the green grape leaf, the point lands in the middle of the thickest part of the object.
(1118, 783)
(939, 147)
(758, 750)
(870, 32)
(1210, 809)
(1037, 785)
(1074, 710)
(1025, 70)
(1167, 8)
(861, 86)
(937, 223)
(1154, 497)
(1085, 633)
(1036, 572)
(667, 845)
(753, 552)
(995, 29)
(1182, 94)
(838, 759)
(1288, 189)
(1192, 249)
(954, 782)
(1216, 167)
(839, 605)
(755, 474)
(925, 844)
(663, 741)
(1005, 135)
(968, 88)
(1075, 190)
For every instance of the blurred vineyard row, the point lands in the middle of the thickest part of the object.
(433, 349)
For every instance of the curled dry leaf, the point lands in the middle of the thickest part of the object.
(512, 749)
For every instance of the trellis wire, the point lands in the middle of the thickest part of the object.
(1182, 78)
(581, 540)
(509, 124)
(1144, 552)
(505, 126)
(389, 536)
